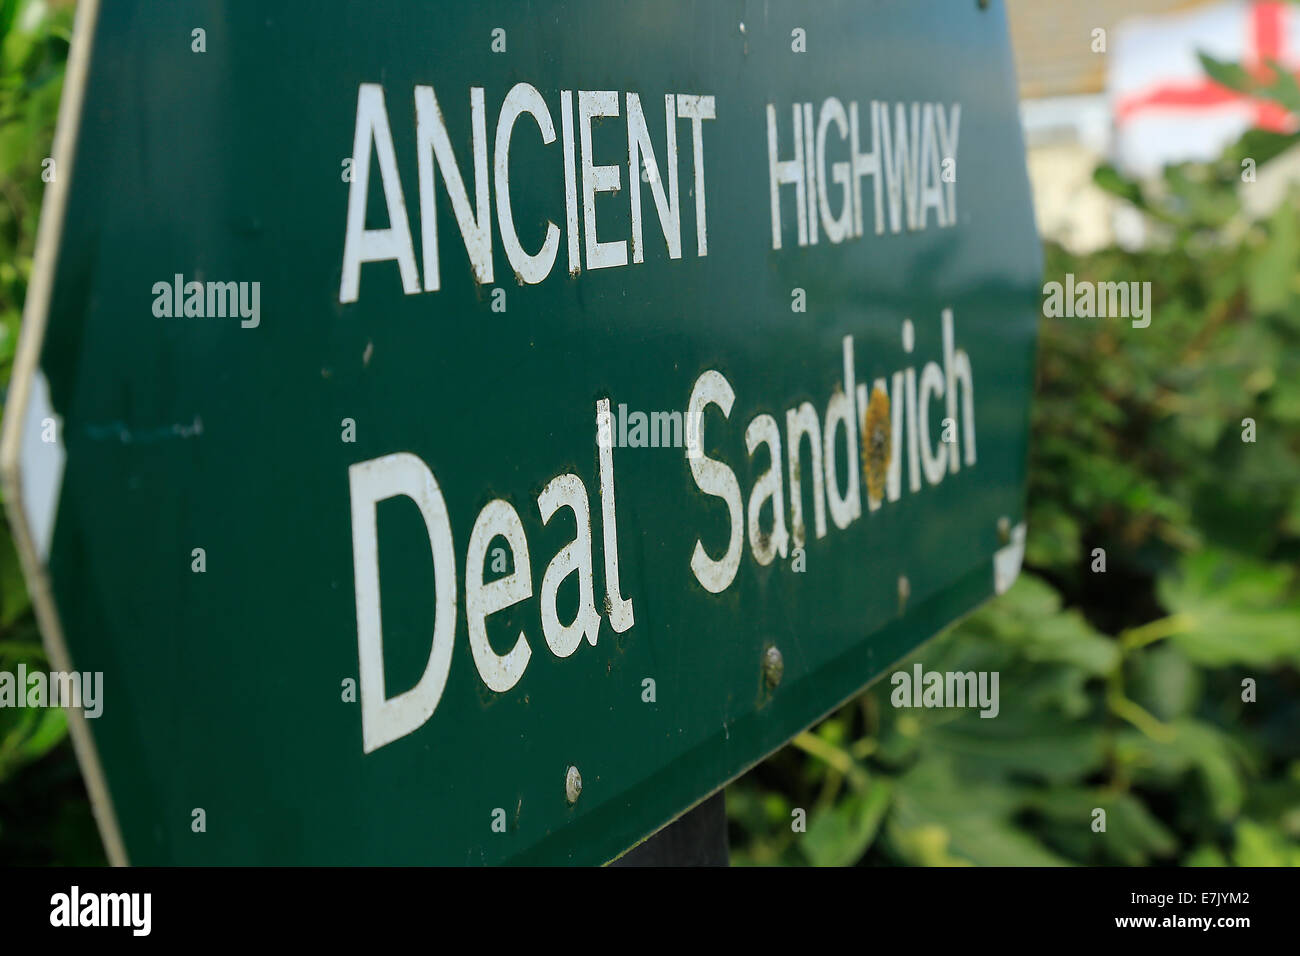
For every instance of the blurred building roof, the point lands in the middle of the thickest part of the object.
(1052, 41)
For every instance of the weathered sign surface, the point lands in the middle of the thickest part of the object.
(474, 434)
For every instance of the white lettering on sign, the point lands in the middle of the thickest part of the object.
(821, 160)
(908, 148)
(847, 415)
(585, 177)
(853, 419)
(384, 718)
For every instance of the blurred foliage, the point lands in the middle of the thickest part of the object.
(1120, 690)
(44, 812)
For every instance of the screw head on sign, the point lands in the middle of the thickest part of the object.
(773, 666)
(572, 785)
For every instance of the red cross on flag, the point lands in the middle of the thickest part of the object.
(1166, 108)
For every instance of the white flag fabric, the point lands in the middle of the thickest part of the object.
(1166, 108)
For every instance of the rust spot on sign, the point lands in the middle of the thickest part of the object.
(877, 444)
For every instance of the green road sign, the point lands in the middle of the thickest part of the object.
(475, 434)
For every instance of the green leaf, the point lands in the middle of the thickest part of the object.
(942, 819)
(1133, 836)
(14, 600)
(1231, 75)
(840, 835)
(1165, 682)
(1022, 742)
(1258, 845)
(1192, 744)
(1272, 269)
(1238, 610)
(1112, 181)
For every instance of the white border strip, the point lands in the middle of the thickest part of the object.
(26, 368)
(1008, 559)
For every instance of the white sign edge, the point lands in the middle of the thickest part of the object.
(25, 510)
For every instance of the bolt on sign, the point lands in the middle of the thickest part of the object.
(476, 436)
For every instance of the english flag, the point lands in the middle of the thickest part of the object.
(1167, 109)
